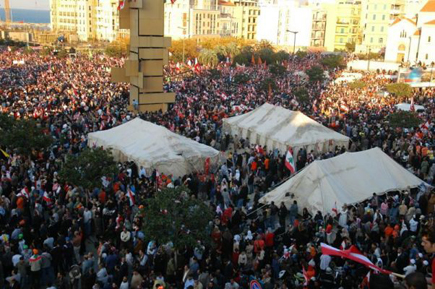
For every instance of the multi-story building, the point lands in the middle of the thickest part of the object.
(318, 28)
(89, 19)
(342, 24)
(192, 18)
(74, 16)
(376, 16)
(246, 15)
(413, 40)
(284, 23)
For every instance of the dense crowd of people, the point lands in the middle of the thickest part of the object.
(56, 235)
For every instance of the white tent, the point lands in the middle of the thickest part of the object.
(154, 147)
(346, 179)
(279, 128)
(407, 107)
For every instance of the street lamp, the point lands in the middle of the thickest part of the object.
(431, 70)
(295, 33)
(184, 36)
(368, 59)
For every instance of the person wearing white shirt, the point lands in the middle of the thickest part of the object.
(324, 262)
(411, 268)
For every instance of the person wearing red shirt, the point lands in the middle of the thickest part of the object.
(428, 243)
(269, 238)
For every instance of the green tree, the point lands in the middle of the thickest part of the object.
(277, 69)
(301, 54)
(243, 58)
(266, 55)
(404, 119)
(399, 89)
(62, 53)
(263, 44)
(22, 135)
(334, 61)
(87, 168)
(315, 73)
(208, 57)
(302, 95)
(280, 56)
(173, 215)
(215, 74)
(241, 78)
(268, 84)
(357, 84)
(350, 46)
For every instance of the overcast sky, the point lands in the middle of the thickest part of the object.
(28, 4)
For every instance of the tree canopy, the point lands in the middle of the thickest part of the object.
(315, 73)
(357, 84)
(22, 135)
(404, 119)
(87, 169)
(173, 215)
(399, 89)
(334, 61)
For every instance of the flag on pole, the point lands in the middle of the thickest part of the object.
(5, 154)
(412, 106)
(289, 161)
(352, 254)
(131, 197)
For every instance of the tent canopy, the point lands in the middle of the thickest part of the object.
(154, 147)
(407, 107)
(279, 128)
(346, 179)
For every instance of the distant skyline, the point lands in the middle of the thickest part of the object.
(27, 4)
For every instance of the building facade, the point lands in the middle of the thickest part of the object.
(88, 19)
(376, 16)
(413, 40)
(285, 23)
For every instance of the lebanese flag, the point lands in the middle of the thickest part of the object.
(197, 68)
(131, 197)
(352, 254)
(334, 209)
(25, 192)
(207, 166)
(46, 197)
(344, 108)
(289, 161)
(425, 126)
(412, 107)
(121, 5)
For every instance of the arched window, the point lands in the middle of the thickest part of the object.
(402, 47)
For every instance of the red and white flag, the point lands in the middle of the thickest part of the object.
(121, 4)
(352, 254)
(289, 161)
(46, 198)
(25, 192)
(131, 197)
(425, 126)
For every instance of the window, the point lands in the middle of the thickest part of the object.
(374, 16)
(428, 39)
(381, 40)
(427, 56)
(341, 40)
(385, 6)
(382, 28)
(373, 28)
(376, 6)
(342, 30)
(371, 39)
(383, 17)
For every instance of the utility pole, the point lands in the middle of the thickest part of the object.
(7, 11)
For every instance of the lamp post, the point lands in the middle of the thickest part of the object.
(368, 59)
(184, 36)
(295, 33)
(431, 70)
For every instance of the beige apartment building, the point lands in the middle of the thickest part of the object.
(88, 19)
(376, 16)
(337, 24)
